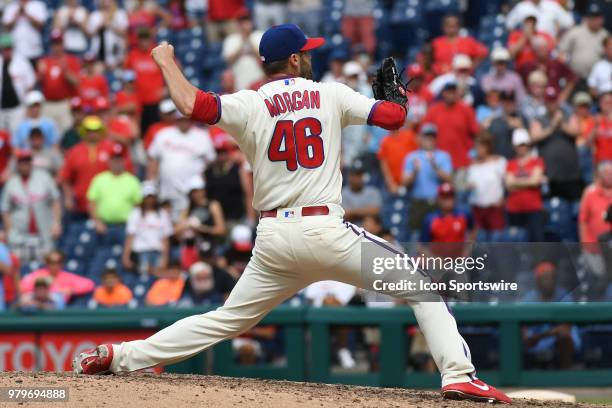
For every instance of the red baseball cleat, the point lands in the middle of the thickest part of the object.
(475, 390)
(94, 361)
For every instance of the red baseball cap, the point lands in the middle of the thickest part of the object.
(101, 103)
(22, 154)
(551, 94)
(56, 35)
(415, 70)
(76, 103)
(117, 150)
(446, 190)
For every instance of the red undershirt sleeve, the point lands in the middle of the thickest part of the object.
(207, 108)
(387, 115)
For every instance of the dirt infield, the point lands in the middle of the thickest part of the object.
(176, 391)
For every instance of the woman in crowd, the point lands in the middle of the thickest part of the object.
(148, 234)
(108, 28)
(524, 177)
(202, 222)
(486, 181)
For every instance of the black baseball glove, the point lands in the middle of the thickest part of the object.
(388, 85)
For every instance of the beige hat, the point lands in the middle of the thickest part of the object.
(462, 61)
(500, 54)
(582, 98)
(520, 136)
(352, 68)
(34, 97)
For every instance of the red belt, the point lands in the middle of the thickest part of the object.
(306, 211)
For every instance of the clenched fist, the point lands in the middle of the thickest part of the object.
(163, 53)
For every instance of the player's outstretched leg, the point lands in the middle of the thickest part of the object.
(256, 293)
(448, 349)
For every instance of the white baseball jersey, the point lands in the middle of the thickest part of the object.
(290, 131)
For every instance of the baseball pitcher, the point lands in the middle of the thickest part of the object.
(290, 130)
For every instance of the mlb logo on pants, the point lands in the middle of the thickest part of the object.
(289, 214)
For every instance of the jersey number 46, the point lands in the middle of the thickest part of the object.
(297, 143)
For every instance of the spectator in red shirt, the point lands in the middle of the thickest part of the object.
(456, 123)
(83, 162)
(92, 84)
(420, 97)
(222, 18)
(145, 13)
(447, 225)
(524, 177)
(520, 42)
(446, 46)
(559, 74)
(595, 203)
(126, 99)
(58, 74)
(5, 155)
(599, 133)
(149, 79)
(167, 113)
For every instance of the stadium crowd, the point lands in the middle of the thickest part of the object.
(110, 197)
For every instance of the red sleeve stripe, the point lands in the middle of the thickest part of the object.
(387, 115)
(206, 108)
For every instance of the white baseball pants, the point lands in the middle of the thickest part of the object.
(290, 253)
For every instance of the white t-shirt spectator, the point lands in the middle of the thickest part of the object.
(318, 291)
(600, 78)
(181, 156)
(246, 67)
(27, 39)
(75, 40)
(24, 77)
(150, 230)
(114, 44)
(551, 16)
(487, 182)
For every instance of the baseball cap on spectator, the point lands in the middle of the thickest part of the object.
(242, 238)
(462, 61)
(415, 71)
(551, 94)
(357, 167)
(446, 190)
(89, 57)
(121, 128)
(167, 106)
(593, 10)
(352, 68)
(23, 154)
(101, 104)
(279, 42)
(582, 98)
(57, 35)
(429, 129)
(42, 281)
(93, 123)
(6, 40)
(76, 103)
(199, 267)
(128, 75)
(34, 97)
(500, 54)
(450, 85)
(543, 268)
(224, 142)
(339, 54)
(520, 136)
(537, 77)
(117, 150)
(243, 13)
(148, 188)
(195, 183)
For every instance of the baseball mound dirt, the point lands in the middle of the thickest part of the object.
(177, 391)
